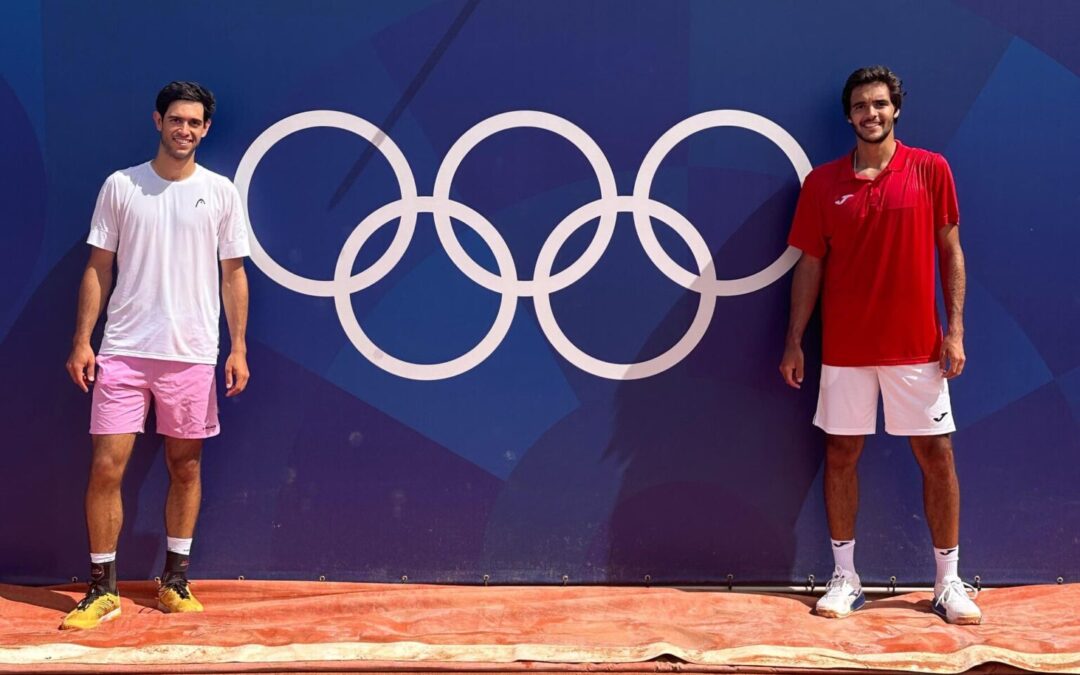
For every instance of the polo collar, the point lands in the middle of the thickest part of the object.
(897, 163)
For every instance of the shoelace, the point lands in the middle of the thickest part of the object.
(837, 581)
(93, 593)
(180, 586)
(959, 587)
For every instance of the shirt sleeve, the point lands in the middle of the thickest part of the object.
(105, 223)
(808, 227)
(946, 207)
(233, 228)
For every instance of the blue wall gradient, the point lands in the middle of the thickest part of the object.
(526, 468)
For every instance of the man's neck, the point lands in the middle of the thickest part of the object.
(173, 169)
(874, 156)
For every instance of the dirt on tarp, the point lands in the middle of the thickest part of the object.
(260, 626)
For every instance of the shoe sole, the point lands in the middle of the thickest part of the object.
(161, 606)
(108, 617)
(830, 614)
(960, 620)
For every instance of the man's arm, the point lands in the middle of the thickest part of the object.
(954, 286)
(805, 287)
(234, 295)
(96, 283)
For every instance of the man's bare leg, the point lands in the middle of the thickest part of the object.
(104, 505)
(104, 518)
(183, 457)
(941, 489)
(843, 593)
(842, 484)
(941, 500)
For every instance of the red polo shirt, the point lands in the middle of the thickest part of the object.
(877, 237)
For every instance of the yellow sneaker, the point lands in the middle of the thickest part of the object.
(176, 596)
(96, 608)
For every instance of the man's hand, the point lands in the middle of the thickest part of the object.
(81, 365)
(805, 286)
(791, 366)
(952, 356)
(236, 373)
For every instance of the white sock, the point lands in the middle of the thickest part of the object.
(844, 555)
(178, 545)
(947, 560)
(102, 558)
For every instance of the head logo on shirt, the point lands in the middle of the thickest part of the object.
(201, 201)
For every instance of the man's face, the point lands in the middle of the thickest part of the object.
(872, 112)
(182, 128)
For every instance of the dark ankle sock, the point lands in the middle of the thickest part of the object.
(176, 566)
(103, 575)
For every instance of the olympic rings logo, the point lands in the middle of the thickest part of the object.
(543, 283)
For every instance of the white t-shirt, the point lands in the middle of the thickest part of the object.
(168, 237)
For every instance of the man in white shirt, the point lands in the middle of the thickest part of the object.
(167, 223)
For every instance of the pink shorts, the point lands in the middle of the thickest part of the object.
(185, 397)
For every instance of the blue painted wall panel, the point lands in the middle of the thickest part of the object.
(526, 466)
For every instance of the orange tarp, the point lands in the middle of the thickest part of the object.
(323, 625)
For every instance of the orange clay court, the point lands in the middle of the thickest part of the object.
(265, 626)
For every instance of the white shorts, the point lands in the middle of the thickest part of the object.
(916, 400)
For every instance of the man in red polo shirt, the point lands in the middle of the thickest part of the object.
(868, 225)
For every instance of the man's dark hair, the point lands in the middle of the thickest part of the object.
(185, 91)
(871, 75)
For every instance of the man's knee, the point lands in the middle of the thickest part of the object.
(106, 471)
(934, 453)
(184, 463)
(842, 452)
(185, 469)
(110, 458)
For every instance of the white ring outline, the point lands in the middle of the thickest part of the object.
(643, 185)
(545, 316)
(366, 130)
(342, 286)
(519, 119)
(351, 324)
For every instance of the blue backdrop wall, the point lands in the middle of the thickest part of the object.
(530, 453)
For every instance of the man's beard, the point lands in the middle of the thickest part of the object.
(875, 141)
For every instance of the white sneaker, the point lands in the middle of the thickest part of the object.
(951, 602)
(843, 595)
